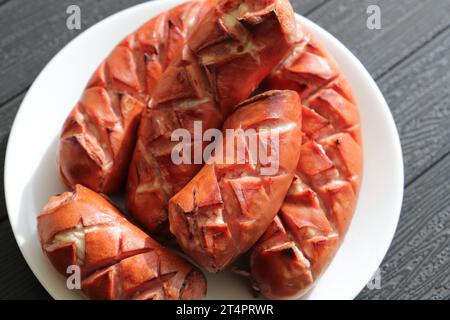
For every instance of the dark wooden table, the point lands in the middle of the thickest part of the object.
(410, 60)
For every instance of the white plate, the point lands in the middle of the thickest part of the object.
(31, 173)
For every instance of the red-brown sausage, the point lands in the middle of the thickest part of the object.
(116, 259)
(99, 135)
(231, 51)
(316, 214)
(223, 211)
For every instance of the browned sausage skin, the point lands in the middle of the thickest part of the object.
(223, 211)
(316, 214)
(229, 53)
(99, 135)
(116, 259)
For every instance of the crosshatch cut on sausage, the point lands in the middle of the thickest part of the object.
(223, 211)
(116, 259)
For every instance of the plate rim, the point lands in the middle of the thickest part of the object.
(386, 111)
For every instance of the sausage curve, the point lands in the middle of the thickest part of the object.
(99, 135)
(306, 234)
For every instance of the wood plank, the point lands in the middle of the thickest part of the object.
(305, 7)
(7, 115)
(406, 26)
(34, 31)
(17, 280)
(418, 92)
(409, 82)
(417, 264)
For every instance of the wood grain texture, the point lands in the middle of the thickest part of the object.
(406, 26)
(305, 7)
(16, 279)
(7, 115)
(32, 32)
(418, 263)
(418, 91)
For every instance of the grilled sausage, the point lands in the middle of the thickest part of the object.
(223, 211)
(304, 237)
(230, 52)
(116, 259)
(98, 137)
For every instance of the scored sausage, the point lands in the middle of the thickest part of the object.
(223, 211)
(116, 259)
(99, 135)
(304, 237)
(229, 53)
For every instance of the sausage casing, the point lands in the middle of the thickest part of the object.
(223, 211)
(303, 239)
(115, 258)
